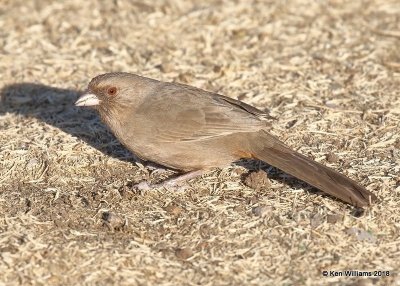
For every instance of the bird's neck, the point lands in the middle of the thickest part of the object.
(115, 119)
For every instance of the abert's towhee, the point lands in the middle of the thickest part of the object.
(192, 130)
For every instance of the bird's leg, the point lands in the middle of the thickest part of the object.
(144, 186)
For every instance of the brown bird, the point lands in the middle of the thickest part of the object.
(192, 130)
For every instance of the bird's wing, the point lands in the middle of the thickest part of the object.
(181, 113)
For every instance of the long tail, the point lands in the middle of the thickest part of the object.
(275, 153)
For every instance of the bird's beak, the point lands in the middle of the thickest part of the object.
(88, 99)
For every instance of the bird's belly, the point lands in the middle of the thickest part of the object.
(186, 156)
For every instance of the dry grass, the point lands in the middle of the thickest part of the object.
(328, 70)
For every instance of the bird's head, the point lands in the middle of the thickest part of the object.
(112, 91)
(105, 90)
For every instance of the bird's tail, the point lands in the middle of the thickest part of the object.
(278, 155)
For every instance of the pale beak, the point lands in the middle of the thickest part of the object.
(88, 99)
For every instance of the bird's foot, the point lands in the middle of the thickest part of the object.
(170, 183)
(145, 186)
(142, 186)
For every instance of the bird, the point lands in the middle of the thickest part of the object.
(192, 131)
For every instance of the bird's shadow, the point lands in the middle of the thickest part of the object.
(55, 106)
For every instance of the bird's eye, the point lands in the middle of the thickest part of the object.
(112, 91)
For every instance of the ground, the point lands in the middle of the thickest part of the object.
(327, 71)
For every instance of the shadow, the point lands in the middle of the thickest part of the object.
(55, 106)
(274, 173)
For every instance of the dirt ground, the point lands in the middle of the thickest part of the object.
(328, 71)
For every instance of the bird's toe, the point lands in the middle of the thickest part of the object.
(142, 186)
